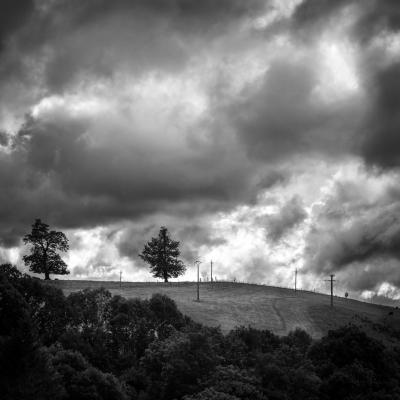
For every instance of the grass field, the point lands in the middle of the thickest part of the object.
(232, 304)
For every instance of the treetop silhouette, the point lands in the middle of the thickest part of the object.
(45, 244)
(162, 254)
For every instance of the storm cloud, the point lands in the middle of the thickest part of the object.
(223, 120)
(291, 214)
(13, 16)
(372, 17)
(371, 22)
(355, 233)
(376, 236)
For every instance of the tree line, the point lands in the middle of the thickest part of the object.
(91, 345)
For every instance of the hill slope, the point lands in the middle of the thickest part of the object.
(232, 304)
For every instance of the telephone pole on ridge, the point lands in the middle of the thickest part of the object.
(211, 271)
(295, 280)
(198, 279)
(331, 280)
(120, 279)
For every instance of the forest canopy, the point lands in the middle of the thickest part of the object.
(91, 345)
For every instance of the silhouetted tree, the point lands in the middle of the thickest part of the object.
(11, 272)
(162, 254)
(45, 244)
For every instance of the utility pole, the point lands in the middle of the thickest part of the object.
(331, 281)
(198, 279)
(120, 279)
(211, 271)
(295, 280)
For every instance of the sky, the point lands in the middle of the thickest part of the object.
(264, 134)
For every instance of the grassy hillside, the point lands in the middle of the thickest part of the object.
(231, 304)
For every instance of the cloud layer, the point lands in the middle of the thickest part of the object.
(246, 127)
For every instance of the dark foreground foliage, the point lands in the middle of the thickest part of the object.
(91, 345)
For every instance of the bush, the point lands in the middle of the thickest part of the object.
(84, 382)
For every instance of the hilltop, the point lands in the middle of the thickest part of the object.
(280, 310)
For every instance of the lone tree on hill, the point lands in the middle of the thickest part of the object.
(162, 254)
(45, 244)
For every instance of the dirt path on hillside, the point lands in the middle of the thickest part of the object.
(278, 314)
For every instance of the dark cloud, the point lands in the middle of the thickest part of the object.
(290, 215)
(55, 173)
(200, 235)
(381, 143)
(194, 236)
(207, 12)
(376, 137)
(281, 117)
(373, 16)
(4, 139)
(378, 16)
(356, 235)
(11, 235)
(273, 121)
(376, 237)
(272, 178)
(59, 46)
(13, 14)
(74, 40)
(371, 276)
(311, 11)
(132, 240)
